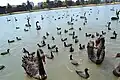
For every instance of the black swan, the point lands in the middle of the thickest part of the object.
(26, 30)
(83, 74)
(47, 34)
(71, 49)
(103, 33)
(51, 56)
(65, 31)
(11, 41)
(67, 45)
(118, 55)
(73, 61)
(117, 14)
(82, 17)
(59, 33)
(25, 51)
(76, 40)
(17, 27)
(58, 28)
(43, 42)
(81, 47)
(97, 34)
(96, 18)
(52, 47)
(114, 33)
(37, 26)
(109, 28)
(84, 23)
(44, 37)
(114, 37)
(56, 49)
(16, 19)
(115, 18)
(87, 35)
(71, 34)
(18, 38)
(116, 71)
(80, 29)
(8, 20)
(63, 39)
(53, 38)
(112, 9)
(41, 45)
(2, 67)
(7, 52)
(96, 55)
(71, 28)
(58, 17)
(74, 37)
(92, 36)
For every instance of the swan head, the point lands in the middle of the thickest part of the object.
(8, 50)
(86, 70)
(71, 57)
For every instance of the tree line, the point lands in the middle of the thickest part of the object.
(48, 4)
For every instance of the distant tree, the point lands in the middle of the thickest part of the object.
(66, 3)
(78, 2)
(113, 1)
(82, 1)
(24, 6)
(59, 3)
(70, 2)
(29, 6)
(48, 3)
(96, 1)
(9, 8)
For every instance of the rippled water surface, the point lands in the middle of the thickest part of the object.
(60, 68)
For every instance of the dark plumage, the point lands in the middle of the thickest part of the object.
(58, 28)
(26, 30)
(80, 29)
(83, 74)
(71, 28)
(4, 53)
(71, 49)
(73, 61)
(59, 33)
(103, 33)
(47, 34)
(92, 36)
(118, 55)
(63, 39)
(44, 37)
(51, 56)
(87, 35)
(41, 45)
(53, 38)
(74, 37)
(65, 31)
(97, 34)
(76, 40)
(2, 67)
(67, 45)
(25, 51)
(18, 38)
(11, 41)
(52, 47)
(81, 47)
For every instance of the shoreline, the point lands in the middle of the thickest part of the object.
(58, 8)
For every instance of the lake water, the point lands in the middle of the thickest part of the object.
(60, 68)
